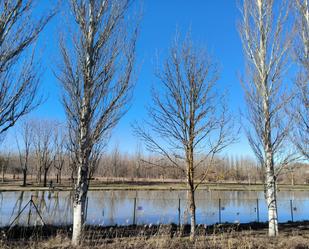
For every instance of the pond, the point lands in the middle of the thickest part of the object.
(149, 207)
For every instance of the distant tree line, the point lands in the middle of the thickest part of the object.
(43, 156)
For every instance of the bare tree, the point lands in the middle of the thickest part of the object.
(19, 79)
(60, 150)
(24, 152)
(301, 134)
(72, 165)
(3, 167)
(96, 77)
(137, 162)
(188, 120)
(43, 147)
(265, 43)
(115, 160)
(4, 163)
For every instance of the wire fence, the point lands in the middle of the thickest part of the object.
(151, 211)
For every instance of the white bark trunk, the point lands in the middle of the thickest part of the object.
(271, 197)
(78, 220)
(81, 187)
(272, 207)
(269, 167)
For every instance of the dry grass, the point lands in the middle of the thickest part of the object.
(296, 239)
(110, 183)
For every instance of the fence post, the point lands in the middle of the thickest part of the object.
(134, 212)
(219, 211)
(291, 207)
(257, 210)
(179, 213)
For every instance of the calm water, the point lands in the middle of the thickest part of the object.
(152, 207)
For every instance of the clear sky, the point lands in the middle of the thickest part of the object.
(212, 24)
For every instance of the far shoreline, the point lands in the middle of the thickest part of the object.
(97, 185)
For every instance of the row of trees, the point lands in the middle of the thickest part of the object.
(189, 122)
(115, 165)
(41, 143)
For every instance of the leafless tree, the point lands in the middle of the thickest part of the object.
(26, 136)
(3, 167)
(96, 75)
(266, 43)
(188, 120)
(137, 162)
(4, 162)
(115, 160)
(60, 150)
(43, 147)
(19, 78)
(70, 164)
(301, 115)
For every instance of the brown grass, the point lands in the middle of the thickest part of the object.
(99, 184)
(296, 239)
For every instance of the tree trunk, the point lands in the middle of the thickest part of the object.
(270, 184)
(72, 177)
(24, 177)
(81, 189)
(271, 203)
(81, 186)
(192, 213)
(85, 143)
(270, 171)
(190, 162)
(45, 178)
(78, 221)
(292, 178)
(39, 176)
(2, 172)
(59, 175)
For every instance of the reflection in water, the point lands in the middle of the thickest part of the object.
(152, 207)
(18, 206)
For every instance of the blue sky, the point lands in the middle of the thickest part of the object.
(212, 25)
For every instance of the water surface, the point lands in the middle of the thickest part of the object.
(151, 207)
